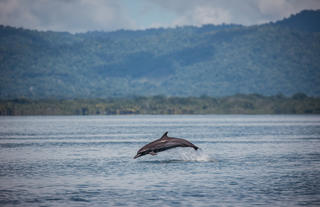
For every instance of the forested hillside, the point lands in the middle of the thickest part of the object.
(281, 57)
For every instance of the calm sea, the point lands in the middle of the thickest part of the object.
(268, 160)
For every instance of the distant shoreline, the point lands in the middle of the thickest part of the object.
(237, 104)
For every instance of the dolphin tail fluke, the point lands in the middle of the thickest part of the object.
(195, 147)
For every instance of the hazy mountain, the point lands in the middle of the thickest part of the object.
(281, 57)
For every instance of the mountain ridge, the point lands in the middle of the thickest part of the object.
(280, 57)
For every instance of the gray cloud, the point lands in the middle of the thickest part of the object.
(84, 15)
(245, 12)
(64, 15)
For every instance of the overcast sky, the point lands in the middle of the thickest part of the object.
(109, 15)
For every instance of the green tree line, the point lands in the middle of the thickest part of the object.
(238, 104)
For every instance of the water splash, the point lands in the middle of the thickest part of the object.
(179, 155)
(196, 156)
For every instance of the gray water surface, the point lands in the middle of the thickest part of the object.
(269, 160)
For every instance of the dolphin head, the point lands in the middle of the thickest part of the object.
(137, 155)
(141, 152)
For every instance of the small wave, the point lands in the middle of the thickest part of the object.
(165, 161)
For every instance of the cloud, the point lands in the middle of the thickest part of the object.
(108, 15)
(64, 15)
(203, 15)
(245, 12)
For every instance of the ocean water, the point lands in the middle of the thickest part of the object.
(245, 160)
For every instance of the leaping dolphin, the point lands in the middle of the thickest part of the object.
(162, 144)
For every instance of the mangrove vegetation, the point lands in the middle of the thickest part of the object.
(238, 104)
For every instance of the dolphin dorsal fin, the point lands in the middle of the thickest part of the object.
(164, 135)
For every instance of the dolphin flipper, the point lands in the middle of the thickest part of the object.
(152, 153)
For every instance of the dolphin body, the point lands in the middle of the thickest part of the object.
(162, 144)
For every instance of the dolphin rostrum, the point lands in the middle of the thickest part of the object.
(162, 144)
